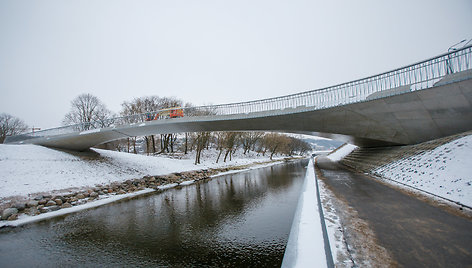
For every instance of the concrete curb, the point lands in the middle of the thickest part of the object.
(308, 243)
(328, 253)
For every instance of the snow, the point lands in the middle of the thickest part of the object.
(305, 136)
(321, 152)
(305, 247)
(445, 171)
(342, 152)
(334, 228)
(89, 131)
(29, 169)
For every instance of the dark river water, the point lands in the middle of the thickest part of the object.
(238, 220)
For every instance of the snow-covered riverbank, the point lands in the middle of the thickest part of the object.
(29, 169)
(113, 197)
(37, 181)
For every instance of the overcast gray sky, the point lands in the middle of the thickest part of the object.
(207, 52)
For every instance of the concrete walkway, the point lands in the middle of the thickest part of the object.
(414, 233)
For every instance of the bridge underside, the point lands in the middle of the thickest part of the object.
(408, 118)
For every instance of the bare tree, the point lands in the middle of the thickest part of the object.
(276, 143)
(249, 140)
(147, 106)
(297, 146)
(136, 107)
(219, 140)
(10, 125)
(186, 143)
(201, 139)
(230, 142)
(88, 111)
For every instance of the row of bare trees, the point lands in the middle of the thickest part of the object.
(227, 143)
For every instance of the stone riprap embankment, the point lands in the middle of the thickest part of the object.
(43, 203)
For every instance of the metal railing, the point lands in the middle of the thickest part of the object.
(446, 68)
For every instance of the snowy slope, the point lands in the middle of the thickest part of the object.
(341, 152)
(445, 171)
(27, 169)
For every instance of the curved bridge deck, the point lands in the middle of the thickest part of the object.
(416, 103)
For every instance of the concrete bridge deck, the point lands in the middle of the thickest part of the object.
(407, 118)
(420, 102)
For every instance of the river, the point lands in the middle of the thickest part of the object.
(236, 220)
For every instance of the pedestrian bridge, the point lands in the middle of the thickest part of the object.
(416, 103)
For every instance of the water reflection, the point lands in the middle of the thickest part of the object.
(238, 220)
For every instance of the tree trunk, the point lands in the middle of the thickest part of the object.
(153, 144)
(226, 155)
(197, 157)
(146, 139)
(167, 142)
(162, 143)
(173, 138)
(219, 154)
(198, 141)
(186, 142)
(273, 152)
